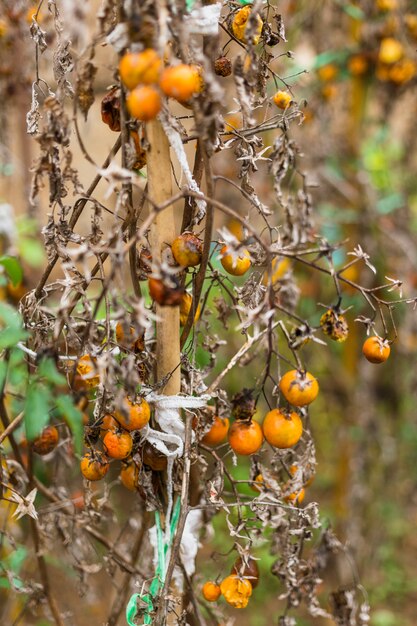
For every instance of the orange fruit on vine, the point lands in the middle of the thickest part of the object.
(165, 294)
(258, 484)
(86, 376)
(46, 442)
(144, 103)
(357, 66)
(125, 335)
(187, 249)
(185, 308)
(376, 350)
(298, 387)
(282, 99)
(296, 497)
(386, 5)
(282, 429)
(236, 263)
(107, 423)
(245, 437)
(294, 469)
(118, 444)
(129, 475)
(136, 415)
(240, 23)
(181, 82)
(218, 431)
(390, 51)
(402, 72)
(236, 591)
(248, 570)
(211, 591)
(94, 466)
(328, 72)
(137, 68)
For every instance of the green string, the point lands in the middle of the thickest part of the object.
(189, 5)
(159, 578)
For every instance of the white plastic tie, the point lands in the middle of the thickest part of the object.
(167, 415)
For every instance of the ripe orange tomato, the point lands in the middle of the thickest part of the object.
(236, 591)
(299, 388)
(185, 308)
(282, 429)
(94, 466)
(164, 294)
(47, 441)
(376, 350)
(125, 335)
(245, 437)
(187, 249)
(144, 103)
(138, 414)
(218, 431)
(211, 591)
(140, 68)
(238, 264)
(86, 376)
(181, 82)
(258, 484)
(118, 444)
(294, 469)
(282, 99)
(129, 475)
(296, 497)
(108, 423)
(390, 51)
(328, 72)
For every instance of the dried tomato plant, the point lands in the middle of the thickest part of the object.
(153, 296)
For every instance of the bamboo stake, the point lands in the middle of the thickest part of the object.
(163, 233)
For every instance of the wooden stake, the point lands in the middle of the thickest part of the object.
(163, 233)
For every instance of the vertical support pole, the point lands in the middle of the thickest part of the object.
(163, 233)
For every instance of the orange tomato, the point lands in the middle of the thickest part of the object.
(118, 444)
(376, 350)
(211, 591)
(299, 388)
(245, 437)
(282, 429)
(282, 99)
(236, 591)
(94, 466)
(144, 103)
(137, 68)
(218, 431)
(47, 441)
(136, 416)
(181, 82)
(235, 264)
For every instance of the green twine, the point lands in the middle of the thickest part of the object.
(189, 5)
(159, 578)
